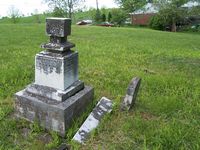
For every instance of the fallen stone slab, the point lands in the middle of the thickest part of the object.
(131, 95)
(103, 107)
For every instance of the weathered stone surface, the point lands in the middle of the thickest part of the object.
(52, 93)
(57, 116)
(103, 107)
(58, 46)
(57, 97)
(56, 71)
(59, 27)
(131, 94)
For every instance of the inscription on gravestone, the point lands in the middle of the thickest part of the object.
(57, 96)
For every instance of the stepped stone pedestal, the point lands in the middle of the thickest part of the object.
(57, 96)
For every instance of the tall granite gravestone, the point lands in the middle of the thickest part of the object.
(57, 96)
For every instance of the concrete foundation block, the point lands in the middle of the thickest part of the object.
(51, 114)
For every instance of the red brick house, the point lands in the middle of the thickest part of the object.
(143, 15)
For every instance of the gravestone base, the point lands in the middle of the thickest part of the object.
(53, 94)
(52, 114)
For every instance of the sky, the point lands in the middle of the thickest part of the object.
(27, 7)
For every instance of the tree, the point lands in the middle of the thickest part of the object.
(109, 16)
(92, 13)
(118, 16)
(65, 7)
(195, 11)
(131, 5)
(171, 12)
(13, 13)
(103, 17)
(58, 12)
(98, 16)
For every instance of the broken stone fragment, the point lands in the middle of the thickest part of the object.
(103, 107)
(131, 94)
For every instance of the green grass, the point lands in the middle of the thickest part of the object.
(166, 115)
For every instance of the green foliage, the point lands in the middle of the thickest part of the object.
(103, 17)
(131, 5)
(40, 18)
(109, 16)
(171, 13)
(35, 127)
(166, 115)
(156, 23)
(56, 140)
(63, 7)
(118, 16)
(92, 13)
(98, 16)
(195, 11)
(191, 28)
(59, 12)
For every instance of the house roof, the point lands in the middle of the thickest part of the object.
(149, 8)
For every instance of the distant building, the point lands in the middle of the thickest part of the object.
(143, 15)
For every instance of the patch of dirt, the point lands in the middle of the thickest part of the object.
(148, 71)
(147, 116)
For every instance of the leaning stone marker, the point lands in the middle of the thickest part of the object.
(103, 107)
(57, 96)
(131, 94)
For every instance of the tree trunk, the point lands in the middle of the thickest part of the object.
(70, 13)
(173, 26)
(70, 8)
(97, 3)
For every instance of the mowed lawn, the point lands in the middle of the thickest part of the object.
(167, 111)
